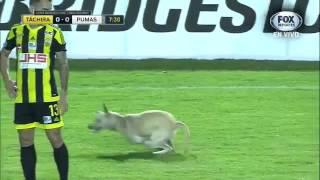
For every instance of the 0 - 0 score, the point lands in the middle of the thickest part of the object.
(62, 19)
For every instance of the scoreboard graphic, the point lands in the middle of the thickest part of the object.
(71, 17)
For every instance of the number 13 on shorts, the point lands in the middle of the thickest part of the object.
(54, 110)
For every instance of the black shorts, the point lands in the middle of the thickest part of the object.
(41, 115)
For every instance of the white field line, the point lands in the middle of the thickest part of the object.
(193, 87)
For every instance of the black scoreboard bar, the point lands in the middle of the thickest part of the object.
(70, 17)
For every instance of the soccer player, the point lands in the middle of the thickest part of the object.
(37, 103)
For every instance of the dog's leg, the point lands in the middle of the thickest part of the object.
(166, 148)
(169, 142)
(160, 144)
(163, 151)
(159, 140)
(169, 147)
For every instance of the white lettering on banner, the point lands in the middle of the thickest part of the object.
(33, 61)
(139, 42)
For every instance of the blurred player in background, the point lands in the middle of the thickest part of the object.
(37, 103)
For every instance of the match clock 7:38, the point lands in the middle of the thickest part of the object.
(62, 19)
(114, 19)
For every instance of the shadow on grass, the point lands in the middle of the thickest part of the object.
(170, 157)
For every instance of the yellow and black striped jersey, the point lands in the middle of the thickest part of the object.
(35, 50)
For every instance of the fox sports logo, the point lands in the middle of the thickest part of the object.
(286, 21)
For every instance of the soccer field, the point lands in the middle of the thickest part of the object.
(259, 125)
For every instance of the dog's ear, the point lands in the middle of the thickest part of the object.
(105, 108)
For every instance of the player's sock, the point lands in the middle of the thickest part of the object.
(62, 160)
(28, 160)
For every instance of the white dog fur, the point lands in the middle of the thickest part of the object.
(154, 128)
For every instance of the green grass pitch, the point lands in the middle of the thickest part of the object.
(259, 125)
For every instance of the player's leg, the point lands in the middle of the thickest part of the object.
(25, 126)
(60, 151)
(50, 120)
(55, 137)
(28, 156)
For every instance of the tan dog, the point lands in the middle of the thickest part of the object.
(154, 128)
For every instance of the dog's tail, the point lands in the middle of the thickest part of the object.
(186, 130)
